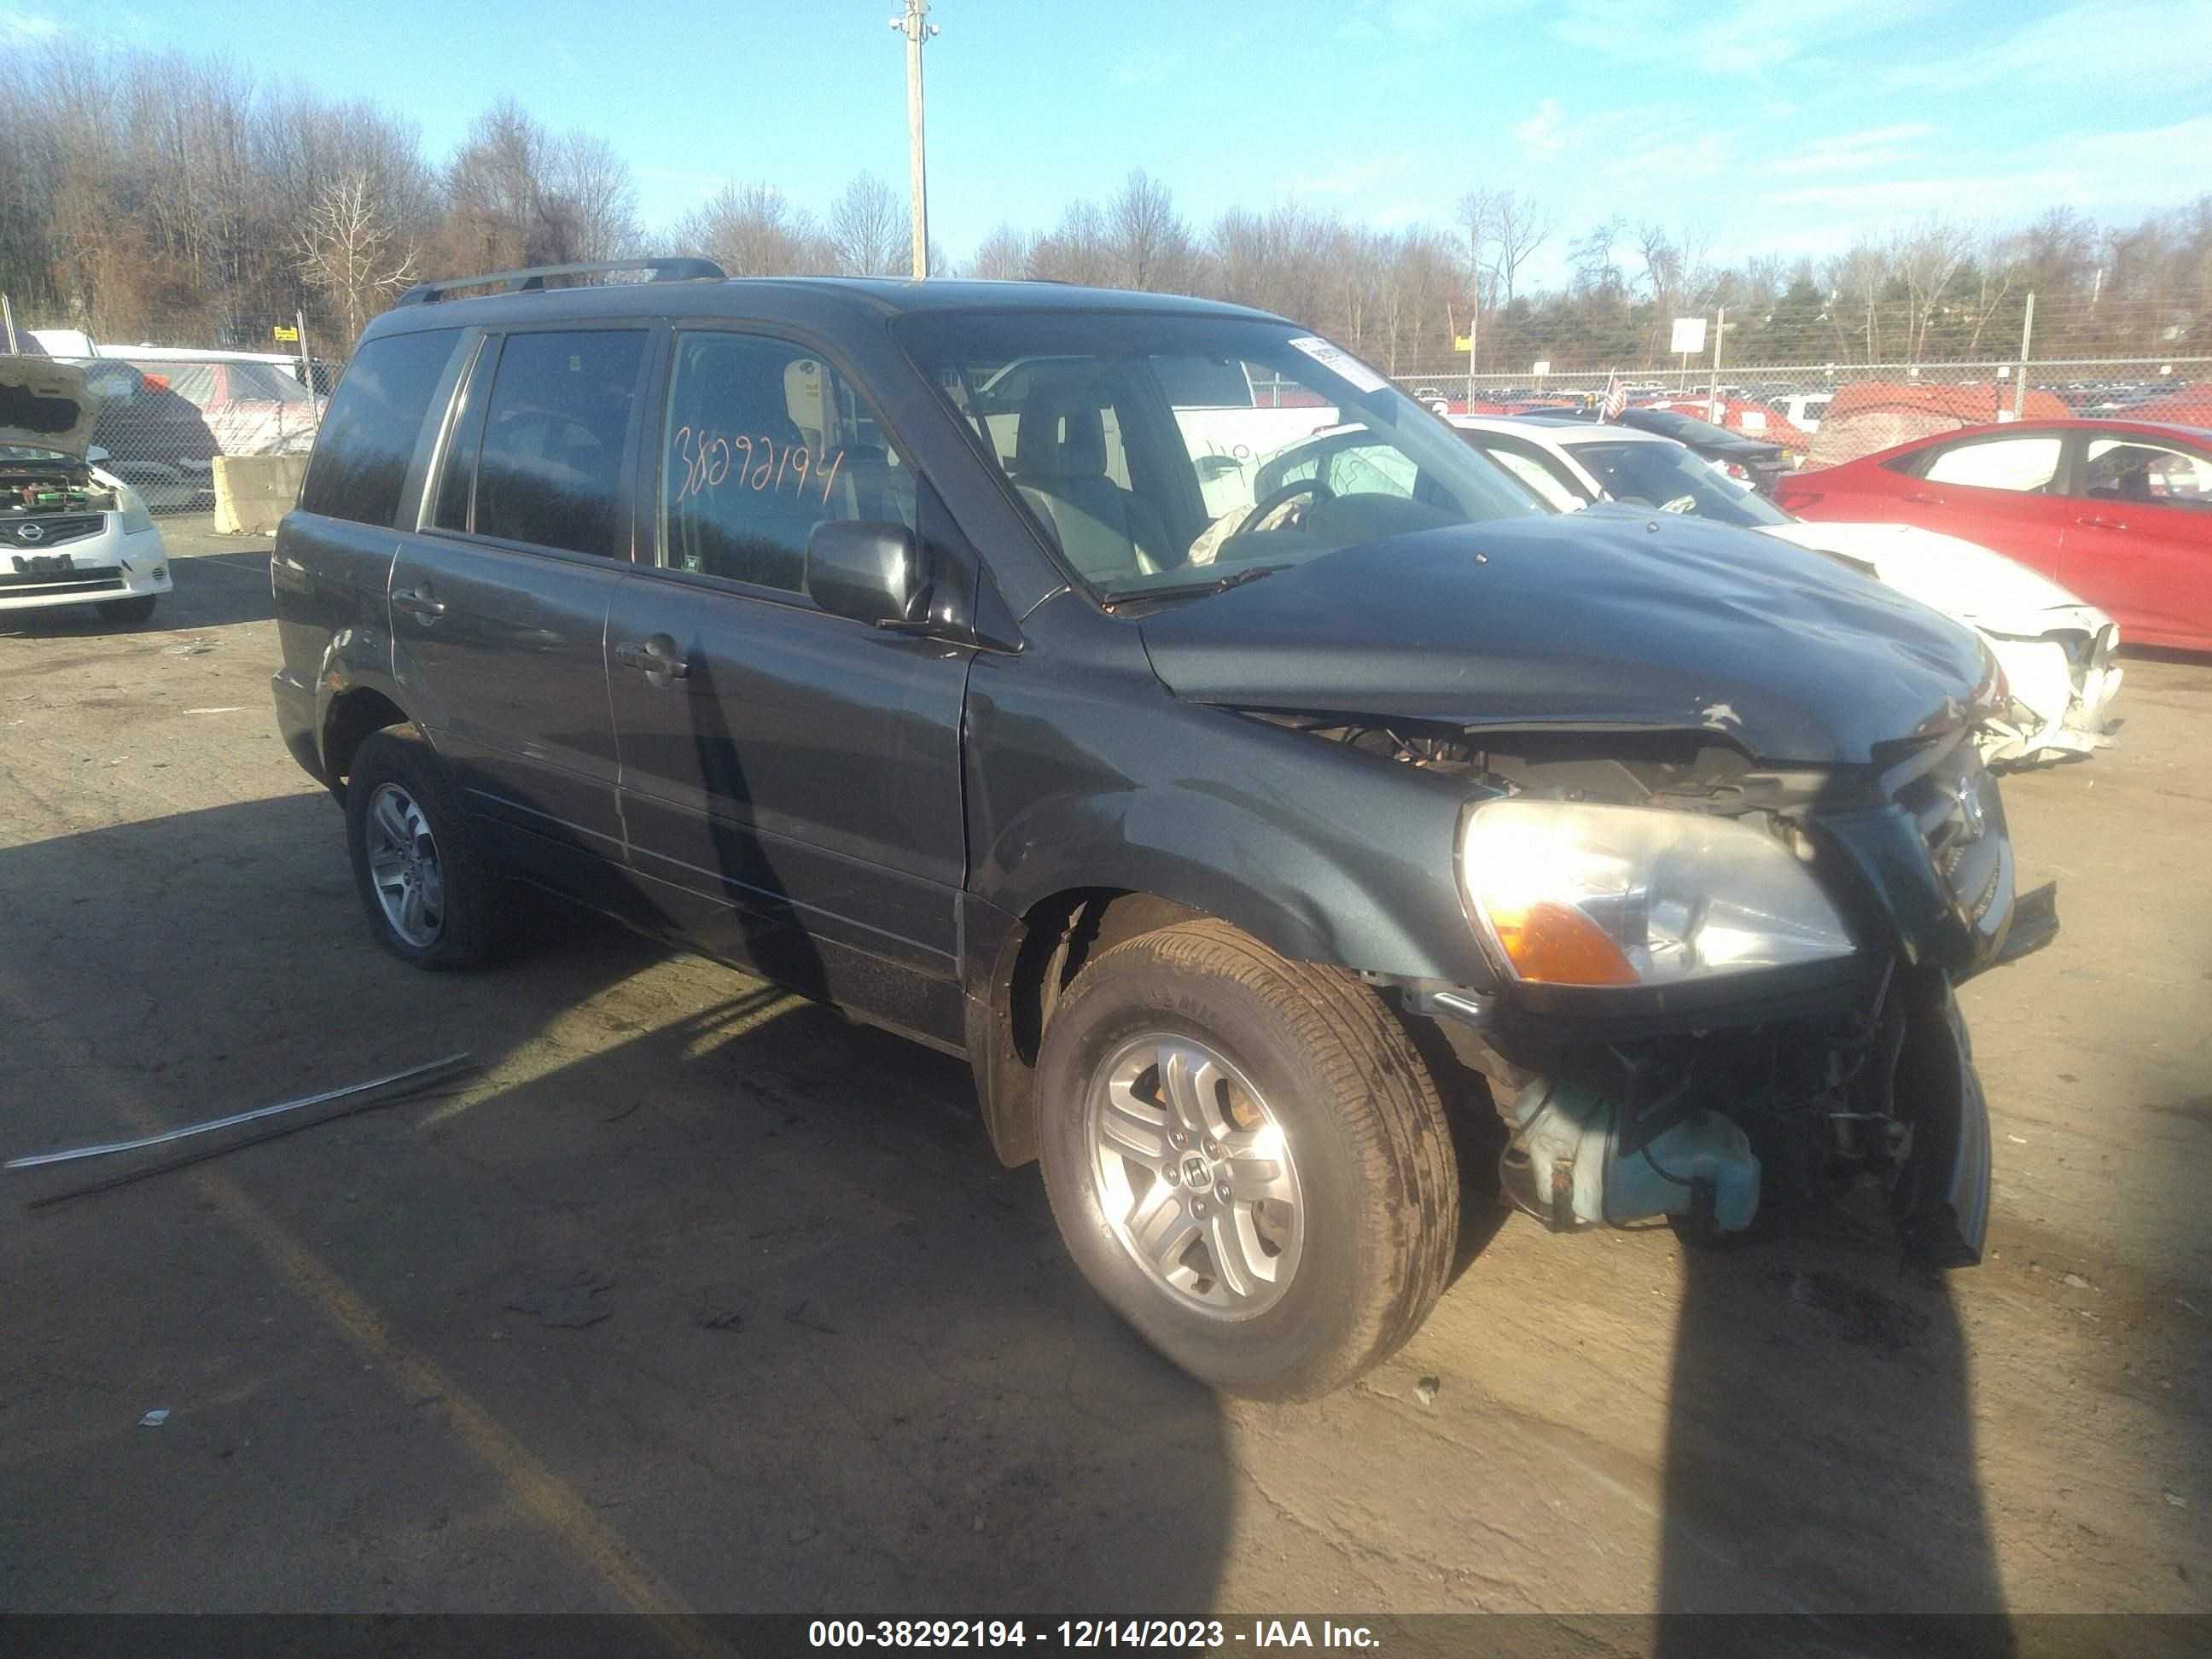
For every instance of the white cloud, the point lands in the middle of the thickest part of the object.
(28, 28)
(1540, 135)
(1352, 176)
(1424, 20)
(2143, 46)
(1856, 152)
(2116, 172)
(1741, 38)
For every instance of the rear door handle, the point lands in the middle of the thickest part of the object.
(2096, 521)
(418, 602)
(656, 656)
(1921, 496)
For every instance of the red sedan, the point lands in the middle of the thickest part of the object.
(2120, 512)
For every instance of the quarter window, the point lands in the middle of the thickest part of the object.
(369, 436)
(2018, 464)
(550, 468)
(763, 441)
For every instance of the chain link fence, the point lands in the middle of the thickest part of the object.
(165, 413)
(1824, 414)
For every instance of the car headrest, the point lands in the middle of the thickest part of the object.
(1062, 434)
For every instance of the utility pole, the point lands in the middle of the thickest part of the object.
(916, 26)
(2027, 340)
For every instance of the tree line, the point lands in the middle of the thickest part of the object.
(162, 197)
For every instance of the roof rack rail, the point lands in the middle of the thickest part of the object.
(533, 279)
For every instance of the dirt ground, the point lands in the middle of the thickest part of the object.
(700, 1298)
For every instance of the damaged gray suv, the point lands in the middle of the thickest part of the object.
(923, 649)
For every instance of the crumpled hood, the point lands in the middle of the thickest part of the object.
(44, 405)
(1582, 620)
(1960, 578)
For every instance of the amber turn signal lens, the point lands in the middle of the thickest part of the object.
(1555, 945)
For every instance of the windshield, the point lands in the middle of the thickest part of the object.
(22, 452)
(1669, 477)
(1167, 453)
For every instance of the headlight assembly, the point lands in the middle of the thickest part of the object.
(1572, 894)
(136, 518)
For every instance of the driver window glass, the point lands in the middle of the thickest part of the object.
(764, 441)
(2016, 463)
(2130, 470)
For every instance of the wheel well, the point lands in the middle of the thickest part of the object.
(352, 718)
(1038, 962)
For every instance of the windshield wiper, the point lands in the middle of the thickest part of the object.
(1251, 572)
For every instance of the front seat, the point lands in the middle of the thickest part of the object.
(1060, 467)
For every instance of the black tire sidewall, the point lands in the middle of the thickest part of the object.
(402, 758)
(1297, 1344)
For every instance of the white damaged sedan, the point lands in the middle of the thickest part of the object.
(2057, 651)
(71, 531)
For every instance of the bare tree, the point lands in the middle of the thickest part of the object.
(1146, 246)
(1519, 228)
(350, 250)
(750, 230)
(1925, 260)
(1075, 250)
(593, 185)
(1002, 256)
(867, 231)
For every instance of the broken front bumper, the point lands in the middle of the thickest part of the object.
(1707, 1104)
(2063, 691)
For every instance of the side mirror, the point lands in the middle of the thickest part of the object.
(874, 572)
(96, 455)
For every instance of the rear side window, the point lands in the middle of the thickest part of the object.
(551, 469)
(369, 436)
(764, 442)
(2024, 464)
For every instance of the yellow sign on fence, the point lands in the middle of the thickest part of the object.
(281, 333)
(1462, 342)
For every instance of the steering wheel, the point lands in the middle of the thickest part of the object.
(1289, 492)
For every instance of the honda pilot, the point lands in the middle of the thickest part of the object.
(1247, 847)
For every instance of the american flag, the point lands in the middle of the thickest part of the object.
(1615, 400)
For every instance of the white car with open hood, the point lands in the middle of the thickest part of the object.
(71, 531)
(2057, 651)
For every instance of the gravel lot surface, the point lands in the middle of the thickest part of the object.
(699, 1298)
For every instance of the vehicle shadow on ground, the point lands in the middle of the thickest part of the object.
(213, 590)
(1821, 1449)
(743, 1276)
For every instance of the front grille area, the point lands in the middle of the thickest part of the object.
(1962, 816)
(20, 537)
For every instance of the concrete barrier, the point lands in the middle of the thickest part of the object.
(252, 492)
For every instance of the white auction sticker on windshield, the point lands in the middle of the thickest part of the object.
(1338, 361)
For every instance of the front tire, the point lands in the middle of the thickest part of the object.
(1247, 1160)
(424, 884)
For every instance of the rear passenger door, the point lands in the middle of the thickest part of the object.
(2139, 540)
(790, 779)
(2002, 492)
(500, 594)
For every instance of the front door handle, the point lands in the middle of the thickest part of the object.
(1921, 496)
(2097, 521)
(418, 602)
(657, 656)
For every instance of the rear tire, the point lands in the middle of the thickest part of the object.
(429, 891)
(1201, 1024)
(130, 612)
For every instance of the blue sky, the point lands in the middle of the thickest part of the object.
(1786, 125)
